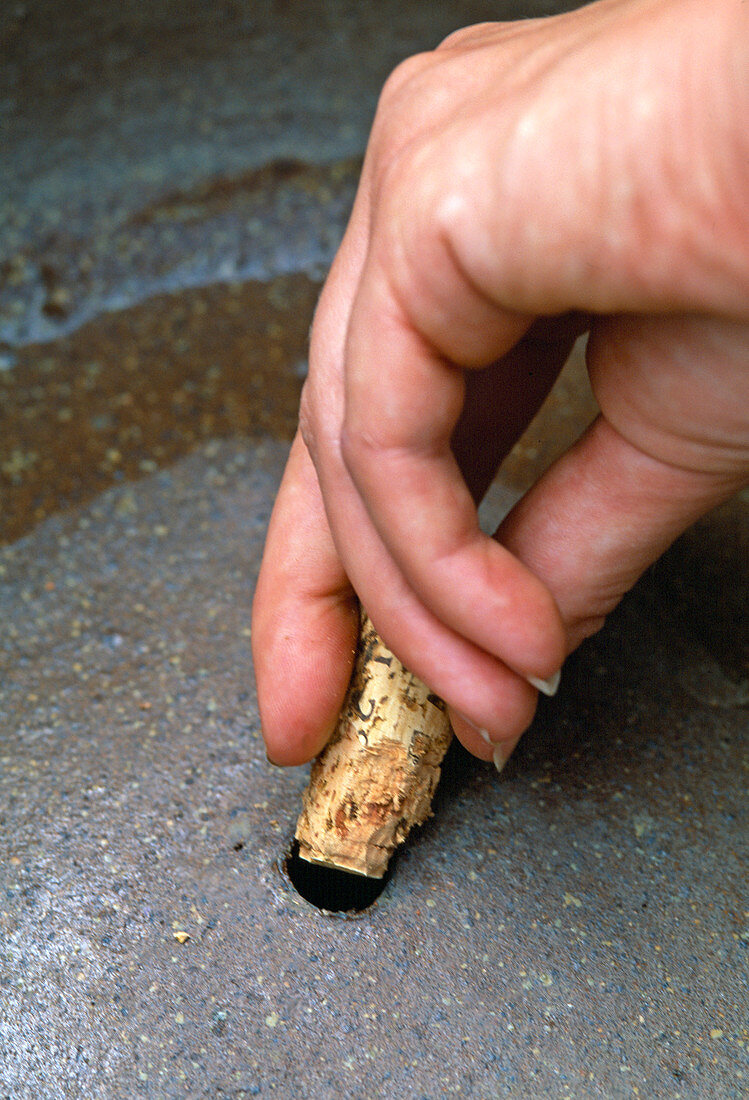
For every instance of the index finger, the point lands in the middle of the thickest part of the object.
(403, 400)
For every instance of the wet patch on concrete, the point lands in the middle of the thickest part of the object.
(109, 114)
(134, 390)
(285, 217)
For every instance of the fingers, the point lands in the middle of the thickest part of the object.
(305, 613)
(677, 387)
(589, 528)
(671, 444)
(403, 400)
(677, 392)
(599, 517)
(472, 218)
(468, 677)
(471, 680)
(304, 621)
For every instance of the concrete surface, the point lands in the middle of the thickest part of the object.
(124, 125)
(578, 927)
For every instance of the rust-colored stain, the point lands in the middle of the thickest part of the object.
(132, 391)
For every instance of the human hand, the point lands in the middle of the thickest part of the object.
(523, 183)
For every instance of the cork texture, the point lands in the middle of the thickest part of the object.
(376, 777)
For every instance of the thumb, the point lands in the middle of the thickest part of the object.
(599, 517)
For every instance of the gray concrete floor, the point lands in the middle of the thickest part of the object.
(578, 927)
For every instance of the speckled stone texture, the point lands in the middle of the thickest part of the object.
(575, 928)
(578, 927)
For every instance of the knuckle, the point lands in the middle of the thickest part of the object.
(585, 626)
(307, 420)
(552, 635)
(544, 633)
(401, 76)
(362, 450)
(466, 36)
(401, 109)
(353, 448)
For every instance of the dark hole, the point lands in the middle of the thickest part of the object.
(330, 889)
(239, 846)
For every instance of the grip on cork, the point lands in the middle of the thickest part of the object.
(377, 775)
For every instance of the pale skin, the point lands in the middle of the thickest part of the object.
(523, 183)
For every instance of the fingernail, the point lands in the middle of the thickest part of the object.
(272, 763)
(482, 732)
(548, 687)
(500, 756)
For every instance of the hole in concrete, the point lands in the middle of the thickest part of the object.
(329, 889)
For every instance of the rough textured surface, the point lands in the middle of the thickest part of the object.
(578, 927)
(133, 390)
(125, 126)
(377, 775)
